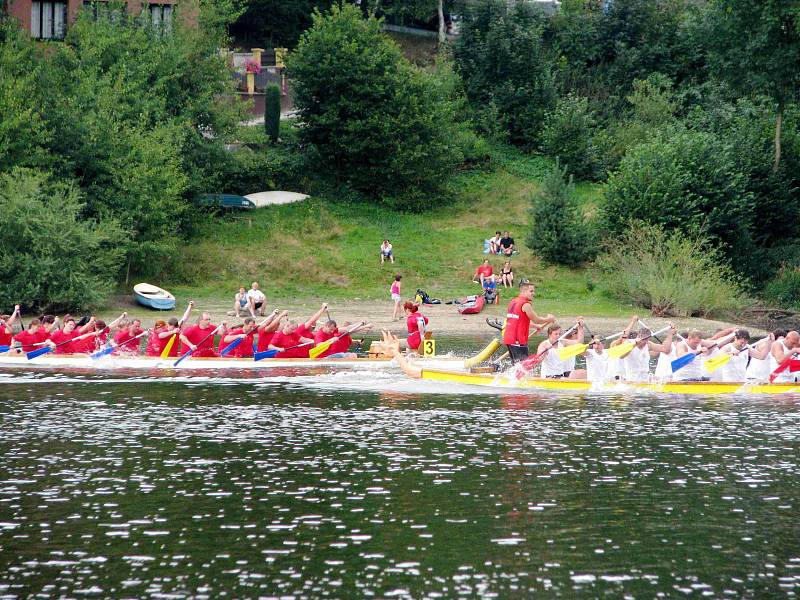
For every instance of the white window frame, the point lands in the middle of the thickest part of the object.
(48, 19)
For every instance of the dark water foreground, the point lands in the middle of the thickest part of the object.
(360, 484)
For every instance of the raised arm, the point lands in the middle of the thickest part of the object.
(187, 313)
(117, 320)
(536, 319)
(315, 317)
(762, 352)
(666, 346)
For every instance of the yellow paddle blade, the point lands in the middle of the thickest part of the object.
(320, 348)
(570, 351)
(168, 347)
(620, 350)
(712, 364)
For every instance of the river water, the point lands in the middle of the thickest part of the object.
(362, 483)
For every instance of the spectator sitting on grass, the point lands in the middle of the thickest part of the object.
(257, 300)
(507, 244)
(386, 251)
(482, 272)
(494, 243)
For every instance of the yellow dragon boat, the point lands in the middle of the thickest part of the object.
(509, 381)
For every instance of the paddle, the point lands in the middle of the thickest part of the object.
(109, 349)
(229, 348)
(576, 349)
(188, 353)
(271, 353)
(684, 360)
(5, 348)
(621, 349)
(47, 349)
(323, 346)
(527, 365)
(712, 364)
(168, 347)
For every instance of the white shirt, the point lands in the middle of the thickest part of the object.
(693, 370)
(637, 364)
(786, 375)
(256, 295)
(664, 364)
(736, 368)
(385, 248)
(596, 366)
(552, 365)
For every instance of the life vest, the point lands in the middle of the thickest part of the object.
(518, 324)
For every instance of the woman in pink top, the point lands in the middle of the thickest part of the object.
(395, 291)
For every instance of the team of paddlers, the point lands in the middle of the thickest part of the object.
(728, 355)
(274, 336)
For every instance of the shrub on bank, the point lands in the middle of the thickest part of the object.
(558, 233)
(567, 135)
(784, 288)
(53, 258)
(667, 272)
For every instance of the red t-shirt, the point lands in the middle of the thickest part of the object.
(264, 339)
(484, 270)
(127, 342)
(243, 349)
(323, 336)
(196, 335)
(342, 344)
(28, 339)
(60, 336)
(283, 340)
(156, 344)
(5, 336)
(415, 337)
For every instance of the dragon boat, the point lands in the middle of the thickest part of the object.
(509, 381)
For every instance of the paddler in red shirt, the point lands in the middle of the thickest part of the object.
(197, 337)
(127, 340)
(247, 334)
(35, 337)
(267, 329)
(519, 317)
(340, 348)
(66, 338)
(292, 334)
(164, 331)
(416, 323)
(7, 326)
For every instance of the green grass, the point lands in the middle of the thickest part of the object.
(326, 249)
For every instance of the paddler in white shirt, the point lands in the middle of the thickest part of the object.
(735, 370)
(637, 362)
(781, 350)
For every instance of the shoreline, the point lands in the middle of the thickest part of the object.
(444, 318)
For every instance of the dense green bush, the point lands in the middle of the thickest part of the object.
(784, 289)
(373, 120)
(688, 182)
(567, 135)
(50, 257)
(558, 233)
(667, 272)
(272, 112)
(507, 75)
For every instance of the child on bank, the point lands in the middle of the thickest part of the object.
(395, 291)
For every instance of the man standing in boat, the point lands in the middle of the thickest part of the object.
(519, 317)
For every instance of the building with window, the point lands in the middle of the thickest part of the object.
(48, 20)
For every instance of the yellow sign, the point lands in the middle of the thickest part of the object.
(428, 348)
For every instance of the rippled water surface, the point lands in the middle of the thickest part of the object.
(363, 483)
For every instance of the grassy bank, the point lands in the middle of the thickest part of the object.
(323, 249)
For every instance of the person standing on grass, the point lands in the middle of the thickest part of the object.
(396, 297)
(386, 251)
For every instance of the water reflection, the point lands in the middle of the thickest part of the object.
(306, 485)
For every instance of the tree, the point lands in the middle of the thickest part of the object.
(51, 257)
(558, 233)
(275, 23)
(685, 181)
(754, 45)
(135, 114)
(567, 135)
(375, 121)
(272, 111)
(418, 10)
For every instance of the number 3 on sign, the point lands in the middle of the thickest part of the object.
(428, 348)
